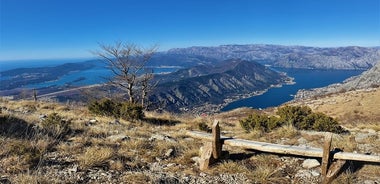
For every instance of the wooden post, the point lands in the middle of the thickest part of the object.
(216, 142)
(333, 171)
(206, 156)
(326, 154)
(329, 169)
(35, 95)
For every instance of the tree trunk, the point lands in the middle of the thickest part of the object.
(143, 99)
(35, 95)
(130, 93)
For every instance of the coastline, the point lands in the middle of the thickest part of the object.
(217, 108)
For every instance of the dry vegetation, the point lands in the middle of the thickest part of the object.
(97, 149)
(354, 109)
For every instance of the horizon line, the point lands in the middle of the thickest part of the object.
(163, 51)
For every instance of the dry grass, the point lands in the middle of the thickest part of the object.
(286, 131)
(262, 168)
(186, 151)
(21, 155)
(136, 178)
(358, 111)
(231, 167)
(26, 179)
(267, 172)
(346, 177)
(256, 135)
(345, 142)
(369, 170)
(90, 146)
(69, 148)
(117, 165)
(353, 109)
(95, 156)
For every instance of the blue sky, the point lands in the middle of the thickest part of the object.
(35, 29)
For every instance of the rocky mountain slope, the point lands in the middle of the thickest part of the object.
(180, 60)
(368, 79)
(291, 56)
(212, 84)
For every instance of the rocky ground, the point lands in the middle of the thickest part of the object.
(156, 150)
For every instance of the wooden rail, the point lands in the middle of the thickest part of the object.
(284, 149)
(332, 161)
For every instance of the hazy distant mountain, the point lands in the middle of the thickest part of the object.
(182, 60)
(352, 57)
(212, 84)
(367, 79)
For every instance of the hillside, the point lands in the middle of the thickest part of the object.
(211, 86)
(348, 58)
(355, 109)
(368, 79)
(87, 148)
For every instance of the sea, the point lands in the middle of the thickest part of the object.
(303, 78)
(96, 75)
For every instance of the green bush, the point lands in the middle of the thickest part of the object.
(274, 122)
(55, 125)
(131, 111)
(323, 122)
(105, 107)
(260, 122)
(108, 107)
(293, 114)
(301, 117)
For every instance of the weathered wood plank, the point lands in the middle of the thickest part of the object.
(333, 171)
(326, 154)
(216, 142)
(206, 157)
(285, 149)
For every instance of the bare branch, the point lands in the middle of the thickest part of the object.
(127, 62)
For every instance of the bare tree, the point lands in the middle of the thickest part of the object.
(146, 85)
(128, 65)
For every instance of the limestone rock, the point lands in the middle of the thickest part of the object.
(310, 163)
(169, 153)
(118, 138)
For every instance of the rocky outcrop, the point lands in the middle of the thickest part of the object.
(291, 56)
(368, 79)
(212, 84)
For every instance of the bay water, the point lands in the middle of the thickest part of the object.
(303, 78)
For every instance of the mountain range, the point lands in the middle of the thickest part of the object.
(198, 86)
(347, 58)
(213, 76)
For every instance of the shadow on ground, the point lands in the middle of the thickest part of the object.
(160, 121)
(16, 128)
